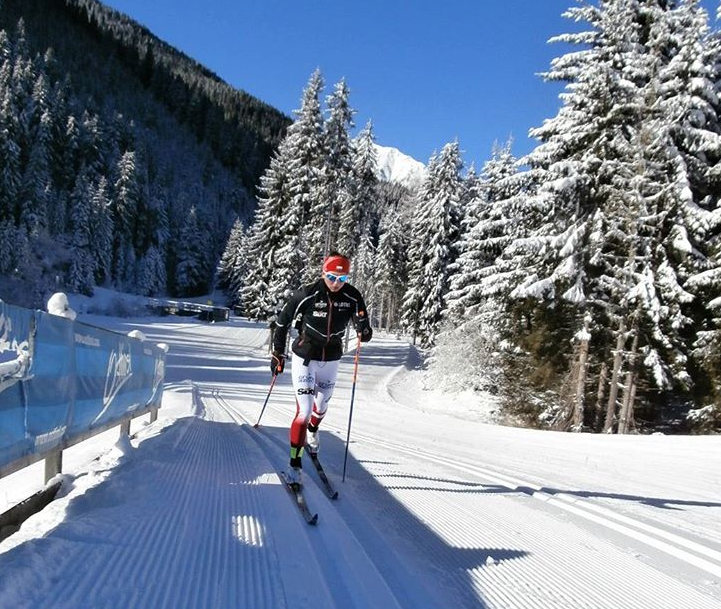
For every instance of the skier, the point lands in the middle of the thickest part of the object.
(321, 311)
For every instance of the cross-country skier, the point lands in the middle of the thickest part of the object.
(321, 311)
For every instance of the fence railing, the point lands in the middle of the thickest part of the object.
(63, 381)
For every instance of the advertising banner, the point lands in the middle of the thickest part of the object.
(15, 334)
(61, 378)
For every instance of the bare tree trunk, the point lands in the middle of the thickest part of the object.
(613, 392)
(579, 399)
(602, 378)
(631, 422)
(626, 413)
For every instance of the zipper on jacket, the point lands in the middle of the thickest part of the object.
(327, 330)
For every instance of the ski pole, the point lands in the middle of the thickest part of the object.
(267, 397)
(352, 397)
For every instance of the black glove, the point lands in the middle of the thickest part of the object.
(366, 334)
(277, 363)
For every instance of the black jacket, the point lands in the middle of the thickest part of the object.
(321, 317)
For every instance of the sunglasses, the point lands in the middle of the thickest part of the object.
(333, 278)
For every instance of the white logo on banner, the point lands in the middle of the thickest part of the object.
(119, 373)
(159, 374)
(12, 370)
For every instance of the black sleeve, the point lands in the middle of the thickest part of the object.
(360, 315)
(285, 318)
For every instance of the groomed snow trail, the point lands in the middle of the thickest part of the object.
(436, 511)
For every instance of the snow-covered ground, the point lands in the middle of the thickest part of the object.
(439, 508)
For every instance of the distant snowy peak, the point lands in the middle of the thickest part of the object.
(394, 166)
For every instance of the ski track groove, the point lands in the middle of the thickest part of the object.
(533, 584)
(337, 554)
(207, 532)
(661, 580)
(253, 527)
(555, 587)
(584, 509)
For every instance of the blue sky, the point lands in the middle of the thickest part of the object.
(424, 72)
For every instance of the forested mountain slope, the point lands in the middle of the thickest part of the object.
(124, 161)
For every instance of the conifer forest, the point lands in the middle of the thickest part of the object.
(580, 283)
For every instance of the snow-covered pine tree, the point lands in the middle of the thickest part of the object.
(36, 184)
(239, 271)
(361, 197)
(390, 265)
(610, 177)
(331, 190)
(9, 148)
(152, 274)
(689, 97)
(227, 263)
(306, 159)
(101, 228)
(191, 273)
(364, 272)
(82, 265)
(413, 296)
(433, 247)
(490, 223)
(124, 207)
(266, 234)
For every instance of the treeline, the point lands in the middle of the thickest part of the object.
(123, 161)
(320, 193)
(581, 283)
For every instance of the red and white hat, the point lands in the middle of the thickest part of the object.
(339, 265)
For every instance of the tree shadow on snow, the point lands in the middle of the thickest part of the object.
(422, 569)
(668, 504)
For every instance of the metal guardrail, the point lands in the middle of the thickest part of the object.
(54, 457)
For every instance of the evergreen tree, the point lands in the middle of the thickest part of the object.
(101, 228)
(239, 271)
(305, 154)
(191, 278)
(361, 194)
(266, 235)
(390, 265)
(490, 224)
(228, 260)
(124, 207)
(364, 271)
(9, 153)
(152, 273)
(433, 249)
(604, 222)
(82, 264)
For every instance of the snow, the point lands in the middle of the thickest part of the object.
(394, 166)
(439, 508)
(58, 305)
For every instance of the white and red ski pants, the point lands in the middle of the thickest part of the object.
(313, 385)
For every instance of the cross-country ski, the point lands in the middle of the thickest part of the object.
(296, 492)
(327, 486)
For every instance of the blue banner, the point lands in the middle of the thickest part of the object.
(51, 389)
(15, 335)
(61, 378)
